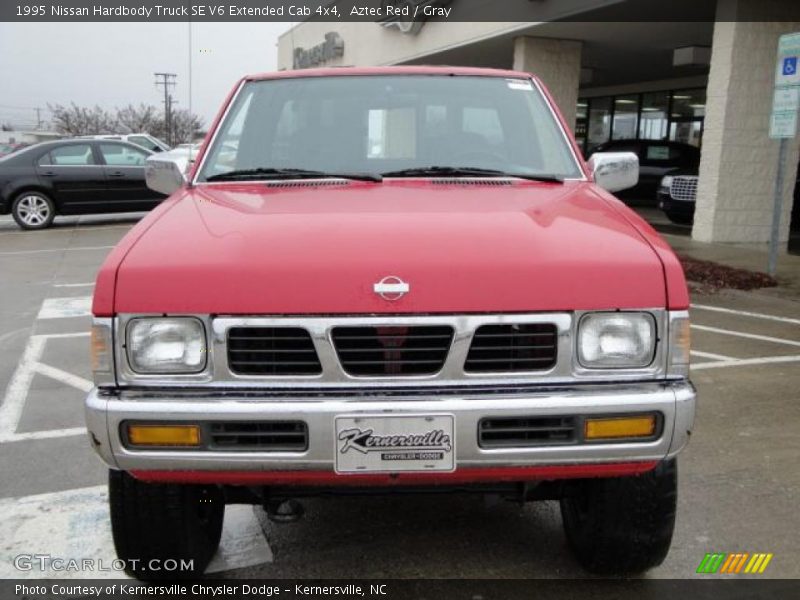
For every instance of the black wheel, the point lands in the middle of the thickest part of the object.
(680, 218)
(33, 210)
(154, 524)
(622, 525)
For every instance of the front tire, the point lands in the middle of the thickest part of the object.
(680, 218)
(622, 525)
(33, 210)
(153, 523)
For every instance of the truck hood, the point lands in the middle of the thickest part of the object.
(306, 248)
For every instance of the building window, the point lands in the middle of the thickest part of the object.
(654, 123)
(599, 122)
(676, 115)
(626, 114)
(689, 104)
(581, 122)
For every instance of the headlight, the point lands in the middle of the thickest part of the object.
(166, 345)
(666, 182)
(616, 340)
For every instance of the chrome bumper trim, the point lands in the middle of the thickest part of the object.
(106, 410)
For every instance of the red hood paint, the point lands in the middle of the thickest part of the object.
(253, 249)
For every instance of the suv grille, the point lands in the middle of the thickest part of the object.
(522, 432)
(272, 351)
(276, 436)
(684, 188)
(378, 351)
(511, 348)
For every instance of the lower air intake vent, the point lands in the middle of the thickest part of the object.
(273, 436)
(392, 351)
(272, 351)
(512, 348)
(523, 432)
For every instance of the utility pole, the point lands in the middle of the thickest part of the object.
(167, 80)
(172, 103)
(38, 118)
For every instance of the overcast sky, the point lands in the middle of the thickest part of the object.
(112, 64)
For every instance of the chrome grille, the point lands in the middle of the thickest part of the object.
(684, 188)
(272, 351)
(392, 351)
(525, 432)
(512, 348)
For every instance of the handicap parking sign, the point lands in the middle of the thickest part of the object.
(790, 65)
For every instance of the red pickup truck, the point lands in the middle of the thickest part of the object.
(390, 280)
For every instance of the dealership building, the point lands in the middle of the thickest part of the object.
(702, 74)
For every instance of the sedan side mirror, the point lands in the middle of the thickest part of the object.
(166, 172)
(615, 171)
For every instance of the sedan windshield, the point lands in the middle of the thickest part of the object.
(393, 126)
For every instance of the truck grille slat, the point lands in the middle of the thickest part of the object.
(272, 351)
(513, 347)
(394, 351)
(525, 432)
(369, 349)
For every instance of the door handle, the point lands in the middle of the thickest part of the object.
(117, 174)
(49, 174)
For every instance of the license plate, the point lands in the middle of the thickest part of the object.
(379, 443)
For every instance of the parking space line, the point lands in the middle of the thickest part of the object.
(61, 308)
(751, 336)
(19, 386)
(42, 435)
(75, 524)
(17, 390)
(42, 251)
(745, 313)
(69, 285)
(711, 355)
(70, 379)
(740, 362)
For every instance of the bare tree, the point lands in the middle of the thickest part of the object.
(136, 119)
(184, 127)
(145, 118)
(80, 120)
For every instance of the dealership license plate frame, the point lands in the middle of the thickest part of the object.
(353, 461)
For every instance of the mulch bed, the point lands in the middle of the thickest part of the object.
(716, 276)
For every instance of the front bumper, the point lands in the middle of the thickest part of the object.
(668, 204)
(106, 410)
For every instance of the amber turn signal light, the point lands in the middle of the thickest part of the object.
(163, 435)
(620, 427)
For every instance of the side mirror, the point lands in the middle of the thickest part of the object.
(166, 172)
(615, 171)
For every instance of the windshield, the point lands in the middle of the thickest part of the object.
(389, 124)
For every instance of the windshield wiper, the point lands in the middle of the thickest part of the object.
(280, 173)
(436, 170)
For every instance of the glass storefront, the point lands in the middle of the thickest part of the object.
(675, 115)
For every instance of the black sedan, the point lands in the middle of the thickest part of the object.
(656, 159)
(74, 177)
